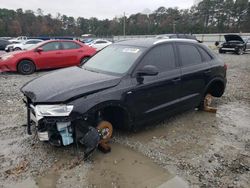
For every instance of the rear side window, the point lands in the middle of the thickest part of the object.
(70, 45)
(189, 55)
(205, 56)
(161, 56)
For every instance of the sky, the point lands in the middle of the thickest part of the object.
(101, 9)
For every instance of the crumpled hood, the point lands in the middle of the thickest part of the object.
(67, 84)
(233, 38)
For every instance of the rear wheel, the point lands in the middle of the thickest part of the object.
(206, 101)
(26, 67)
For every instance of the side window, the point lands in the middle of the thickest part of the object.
(31, 42)
(189, 55)
(205, 56)
(70, 45)
(36, 41)
(51, 46)
(161, 56)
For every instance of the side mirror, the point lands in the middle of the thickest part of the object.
(148, 70)
(39, 49)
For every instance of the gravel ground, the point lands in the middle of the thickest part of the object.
(204, 149)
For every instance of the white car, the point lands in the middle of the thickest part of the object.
(99, 44)
(18, 39)
(22, 45)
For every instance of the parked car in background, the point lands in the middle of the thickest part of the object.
(163, 36)
(46, 55)
(234, 43)
(126, 85)
(87, 41)
(3, 44)
(22, 45)
(99, 44)
(18, 39)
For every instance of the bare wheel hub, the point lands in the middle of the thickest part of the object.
(105, 130)
(208, 100)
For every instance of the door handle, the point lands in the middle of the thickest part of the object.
(59, 53)
(175, 80)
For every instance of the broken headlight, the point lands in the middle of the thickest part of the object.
(53, 110)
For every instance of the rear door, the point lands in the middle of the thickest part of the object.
(72, 52)
(157, 94)
(195, 70)
(50, 57)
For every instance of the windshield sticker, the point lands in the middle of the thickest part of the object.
(131, 50)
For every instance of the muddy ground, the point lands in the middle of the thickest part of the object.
(195, 149)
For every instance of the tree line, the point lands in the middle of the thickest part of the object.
(209, 16)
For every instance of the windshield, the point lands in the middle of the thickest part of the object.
(114, 59)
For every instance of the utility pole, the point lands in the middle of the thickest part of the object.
(124, 24)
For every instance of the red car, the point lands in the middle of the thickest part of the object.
(46, 55)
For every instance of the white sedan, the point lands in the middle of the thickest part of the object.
(99, 44)
(22, 45)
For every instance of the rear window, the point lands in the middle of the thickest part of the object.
(205, 56)
(70, 45)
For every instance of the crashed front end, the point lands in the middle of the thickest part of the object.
(56, 124)
(52, 123)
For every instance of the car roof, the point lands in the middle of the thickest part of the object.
(146, 43)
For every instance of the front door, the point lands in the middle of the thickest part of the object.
(160, 93)
(50, 57)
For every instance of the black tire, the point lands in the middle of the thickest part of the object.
(84, 60)
(26, 67)
(17, 49)
(240, 51)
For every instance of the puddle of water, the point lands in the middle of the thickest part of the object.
(183, 124)
(48, 181)
(124, 167)
(28, 183)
